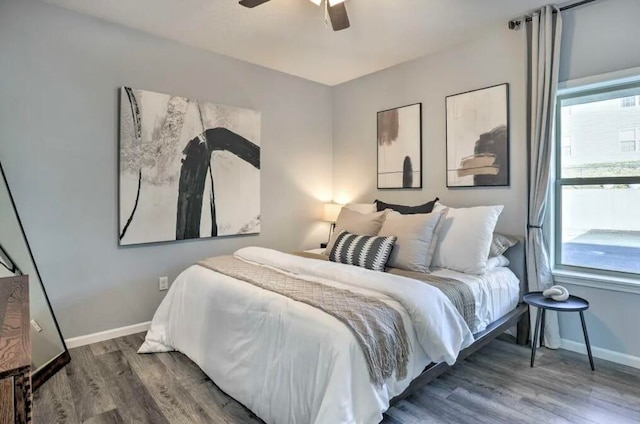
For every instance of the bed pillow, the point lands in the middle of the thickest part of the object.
(371, 252)
(368, 224)
(497, 262)
(500, 244)
(361, 207)
(465, 238)
(416, 239)
(407, 210)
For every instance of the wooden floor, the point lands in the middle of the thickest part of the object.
(109, 383)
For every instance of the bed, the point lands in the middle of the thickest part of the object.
(290, 362)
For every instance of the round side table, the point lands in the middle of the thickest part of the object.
(573, 304)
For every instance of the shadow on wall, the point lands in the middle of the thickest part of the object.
(600, 333)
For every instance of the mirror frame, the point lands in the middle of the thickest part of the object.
(46, 371)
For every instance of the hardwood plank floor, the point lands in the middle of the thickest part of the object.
(109, 383)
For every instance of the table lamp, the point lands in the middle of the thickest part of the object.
(331, 212)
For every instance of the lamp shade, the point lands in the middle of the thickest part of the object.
(331, 212)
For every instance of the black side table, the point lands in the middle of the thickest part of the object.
(573, 304)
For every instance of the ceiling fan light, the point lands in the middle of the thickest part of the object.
(334, 2)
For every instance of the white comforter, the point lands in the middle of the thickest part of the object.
(287, 361)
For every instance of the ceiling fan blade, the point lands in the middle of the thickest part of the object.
(252, 3)
(338, 16)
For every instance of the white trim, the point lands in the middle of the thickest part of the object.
(597, 81)
(598, 352)
(619, 284)
(107, 335)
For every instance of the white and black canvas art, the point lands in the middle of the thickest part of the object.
(400, 147)
(188, 169)
(478, 138)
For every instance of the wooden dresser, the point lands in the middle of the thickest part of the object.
(15, 351)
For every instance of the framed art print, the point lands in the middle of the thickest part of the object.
(478, 138)
(188, 169)
(400, 147)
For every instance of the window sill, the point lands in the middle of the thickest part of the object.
(604, 282)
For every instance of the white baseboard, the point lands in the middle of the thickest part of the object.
(107, 335)
(598, 352)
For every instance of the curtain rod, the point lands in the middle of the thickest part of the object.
(515, 23)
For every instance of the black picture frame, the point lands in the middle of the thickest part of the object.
(501, 153)
(415, 185)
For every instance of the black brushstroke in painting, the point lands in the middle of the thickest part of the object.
(494, 142)
(193, 174)
(407, 173)
(212, 204)
(135, 114)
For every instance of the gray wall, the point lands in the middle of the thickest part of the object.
(59, 78)
(598, 38)
(494, 58)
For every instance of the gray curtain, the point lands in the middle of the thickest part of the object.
(543, 45)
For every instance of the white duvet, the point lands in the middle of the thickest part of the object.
(287, 361)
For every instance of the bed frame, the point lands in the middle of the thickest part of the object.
(518, 317)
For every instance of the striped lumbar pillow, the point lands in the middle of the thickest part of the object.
(369, 252)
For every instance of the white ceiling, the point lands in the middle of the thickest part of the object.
(290, 35)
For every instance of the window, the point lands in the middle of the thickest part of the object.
(628, 101)
(627, 140)
(597, 186)
(566, 145)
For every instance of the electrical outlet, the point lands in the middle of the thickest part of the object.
(35, 325)
(163, 283)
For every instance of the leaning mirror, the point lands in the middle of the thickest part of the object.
(48, 350)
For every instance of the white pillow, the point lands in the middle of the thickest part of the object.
(465, 238)
(497, 262)
(416, 239)
(361, 207)
(500, 244)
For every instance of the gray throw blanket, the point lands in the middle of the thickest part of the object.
(457, 292)
(378, 328)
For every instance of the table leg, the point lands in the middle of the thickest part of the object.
(544, 312)
(586, 340)
(534, 343)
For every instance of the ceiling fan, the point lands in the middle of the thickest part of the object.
(336, 10)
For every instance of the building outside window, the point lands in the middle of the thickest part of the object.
(628, 140)
(597, 186)
(628, 101)
(566, 145)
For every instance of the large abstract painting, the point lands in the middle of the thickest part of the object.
(478, 138)
(188, 169)
(400, 147)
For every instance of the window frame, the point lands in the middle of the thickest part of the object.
(632, 144)
(559, 182)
